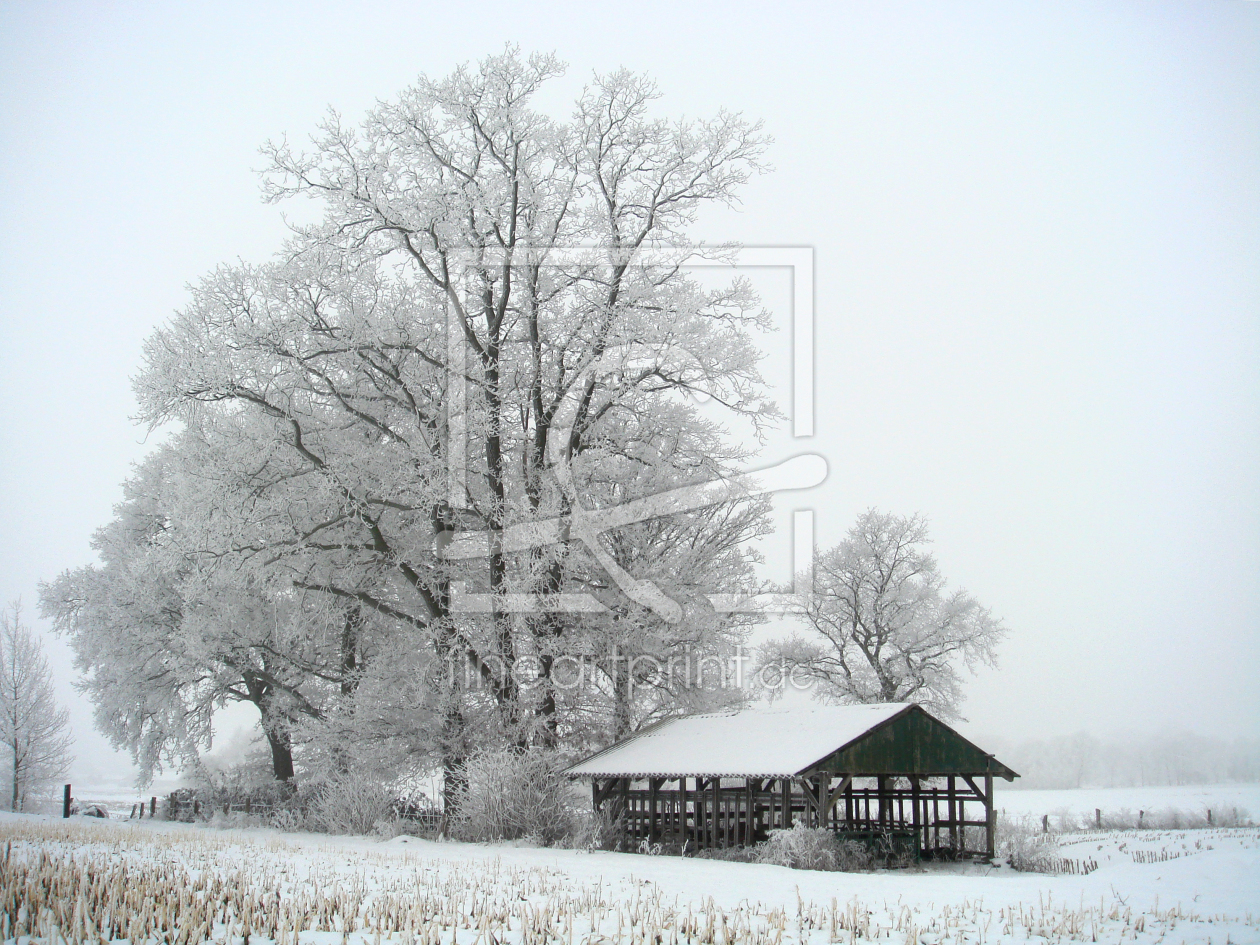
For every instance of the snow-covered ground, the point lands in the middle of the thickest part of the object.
(1148, 887)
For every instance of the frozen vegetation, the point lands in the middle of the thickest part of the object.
(81, 881)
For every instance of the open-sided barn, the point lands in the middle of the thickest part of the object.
(887, 772)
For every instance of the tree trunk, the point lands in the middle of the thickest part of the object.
(349, 649)
(547, 630)
(621, 696)
(274, 727)
(281, 753)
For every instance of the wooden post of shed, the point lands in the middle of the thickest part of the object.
(953, 814)
(623, 807)
(715, 789)
(785, 785)
(914, 815)
(653, 800)
(749, 804)
(683, 834)
(990, 818)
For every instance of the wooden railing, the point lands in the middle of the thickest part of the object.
(740, 815)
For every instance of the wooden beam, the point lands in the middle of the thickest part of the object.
(600, 793)
(980, 795)
(838, 792)
(810, 789)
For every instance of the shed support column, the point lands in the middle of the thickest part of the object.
(990, 818)
(785, 786)
(654, 790)
(953, 815)
(714, 815)
(684, 833)
(749, 812)
(914, 814)
(623, 809)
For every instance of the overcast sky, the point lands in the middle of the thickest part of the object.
(1036, 231)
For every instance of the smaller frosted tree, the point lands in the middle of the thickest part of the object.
(884, 627)
(33, 729)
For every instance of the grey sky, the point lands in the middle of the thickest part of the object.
(1037, 239)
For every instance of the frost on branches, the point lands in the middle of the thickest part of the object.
(34, 730)
(884, 628)
(485, 274)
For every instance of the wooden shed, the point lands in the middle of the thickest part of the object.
(888, 772)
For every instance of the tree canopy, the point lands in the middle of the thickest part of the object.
(884, 627)
(490, 325)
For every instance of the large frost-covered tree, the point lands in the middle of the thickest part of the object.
(489, 327)
(164, 638)
(34, 730)
(884, 627)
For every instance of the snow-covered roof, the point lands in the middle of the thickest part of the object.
(762, 742)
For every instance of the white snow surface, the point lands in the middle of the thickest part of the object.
(766, 742)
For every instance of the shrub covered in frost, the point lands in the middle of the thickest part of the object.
(513, 795)
(813, 848)
(1027, 848)
(352, 803)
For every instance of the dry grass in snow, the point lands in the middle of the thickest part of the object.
(88, 883)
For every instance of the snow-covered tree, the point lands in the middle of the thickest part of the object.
(34, 730)
(884, 627)
(164, 638)
(538, 263)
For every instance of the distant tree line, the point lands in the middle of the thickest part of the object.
(1081, 760)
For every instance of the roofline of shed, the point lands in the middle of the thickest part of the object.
(621, 741)
(801, 773)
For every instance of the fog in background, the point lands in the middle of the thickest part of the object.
(1036, 235)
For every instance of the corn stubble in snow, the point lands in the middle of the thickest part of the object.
(81, 883)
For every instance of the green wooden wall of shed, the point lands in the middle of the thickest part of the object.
(913, 742)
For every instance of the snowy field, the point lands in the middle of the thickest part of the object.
(1081, 804)
(88, 881)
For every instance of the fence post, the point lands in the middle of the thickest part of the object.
(1098, 817)
(152, 807)
(65, 803)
